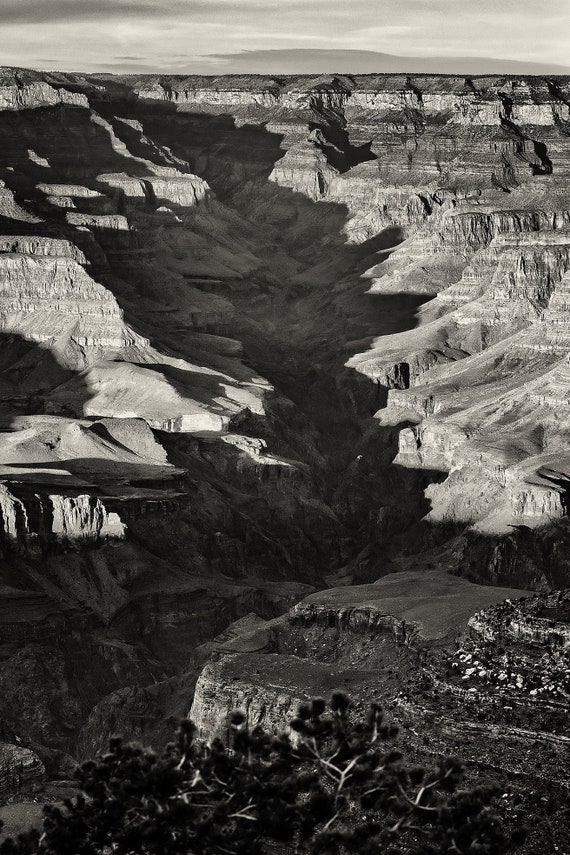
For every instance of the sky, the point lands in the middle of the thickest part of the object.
(225, 36)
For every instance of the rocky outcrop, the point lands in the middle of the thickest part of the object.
(21, 771)
(411, 607)
(219, 692)
(540, 621)
(113, 222)
(12, 210)
(34, 95)
(13, 517)
(63, 518)
(52, 299)
(84, 517)
(269, 670)
(177, 189)
(38, 245)
(487, 693)
(267, 688)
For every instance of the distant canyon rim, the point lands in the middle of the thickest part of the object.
(270, 344)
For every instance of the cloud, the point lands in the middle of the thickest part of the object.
(302, 61)
(49, 11)
(45, 11)
(194, 35)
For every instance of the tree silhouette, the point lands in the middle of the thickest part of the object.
(334, 785)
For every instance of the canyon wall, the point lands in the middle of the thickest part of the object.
(261, 337)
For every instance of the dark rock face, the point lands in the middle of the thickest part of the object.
(259, 337)
(20, 770)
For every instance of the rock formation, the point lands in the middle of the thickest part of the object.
(264, 338)
(492, 688)
(20, 770)
(269, 669)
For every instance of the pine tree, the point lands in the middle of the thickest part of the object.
(335, 785)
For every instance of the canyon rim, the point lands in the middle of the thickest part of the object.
(284, 409)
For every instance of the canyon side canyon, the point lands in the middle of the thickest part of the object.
(284, 408)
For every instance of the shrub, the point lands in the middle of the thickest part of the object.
(336, 785)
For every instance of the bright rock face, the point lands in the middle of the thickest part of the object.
(264, 341)
(84, 517)
(63, 518)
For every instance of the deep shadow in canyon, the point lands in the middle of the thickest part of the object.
(293, 331)
(225, 541)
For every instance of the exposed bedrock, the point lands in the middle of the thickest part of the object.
(21, 771)
(59, 517)
(259, 337)
(462, 668)
(335, 637)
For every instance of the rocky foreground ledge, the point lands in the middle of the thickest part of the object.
(482, 673)
(268, 668)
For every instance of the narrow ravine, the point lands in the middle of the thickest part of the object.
(303, 355)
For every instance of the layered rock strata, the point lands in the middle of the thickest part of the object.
(208, 289)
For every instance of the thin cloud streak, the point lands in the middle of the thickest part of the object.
(40, 11)
(370, 62)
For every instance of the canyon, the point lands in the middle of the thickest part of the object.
(284, 396)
